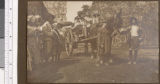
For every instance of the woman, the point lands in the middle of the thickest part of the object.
(105, 43)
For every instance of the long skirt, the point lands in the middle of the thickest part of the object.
(104, 48)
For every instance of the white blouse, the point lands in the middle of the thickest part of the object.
(134, 30)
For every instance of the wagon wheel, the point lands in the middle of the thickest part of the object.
(69, 43)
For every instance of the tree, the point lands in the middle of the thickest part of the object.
(145, 12)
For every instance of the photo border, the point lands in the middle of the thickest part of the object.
(22, 36)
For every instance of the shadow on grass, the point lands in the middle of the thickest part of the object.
(121, 60)
(82, 54)
(118, 60)
(49, 72)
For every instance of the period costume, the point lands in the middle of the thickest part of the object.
(134, 41)
(104, 43)
(134, 38)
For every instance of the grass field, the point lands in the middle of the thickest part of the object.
(80, 68)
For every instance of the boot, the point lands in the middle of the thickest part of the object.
(135, 56)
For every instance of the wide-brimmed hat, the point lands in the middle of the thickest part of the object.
(133, 19)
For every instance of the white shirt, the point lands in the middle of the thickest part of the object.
(95, 20)
(134, 30)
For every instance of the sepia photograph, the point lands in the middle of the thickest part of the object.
(92, 41)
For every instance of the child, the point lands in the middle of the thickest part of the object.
(135, 36)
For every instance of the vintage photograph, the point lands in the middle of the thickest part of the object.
(92, 42)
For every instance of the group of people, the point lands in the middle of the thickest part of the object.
(44, 43)
(106, 32)
(85, 22)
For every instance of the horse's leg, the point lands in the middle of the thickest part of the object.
(49, 51)
(86, 47)
(44, 52)
(55, 48)
(59, 53)
(93, 49)
(56, 55)
(53, 54)
(41, 52)
(57, 58)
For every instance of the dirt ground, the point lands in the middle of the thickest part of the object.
(80, 68)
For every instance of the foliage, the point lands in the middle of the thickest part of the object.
(146, 13)
(48, 10)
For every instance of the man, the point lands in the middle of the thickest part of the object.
(95, 18)
(135, 37)
(78, 20)
(78, 25)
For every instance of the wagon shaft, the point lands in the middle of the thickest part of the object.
(88, 39)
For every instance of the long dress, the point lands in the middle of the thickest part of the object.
(104, 43)
(105, 40)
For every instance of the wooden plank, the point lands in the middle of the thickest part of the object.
(87, 39)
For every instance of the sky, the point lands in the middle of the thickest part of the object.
(73, 7)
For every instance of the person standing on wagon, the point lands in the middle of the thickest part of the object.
(134, 39)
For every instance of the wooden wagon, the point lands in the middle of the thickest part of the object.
(79, 34)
